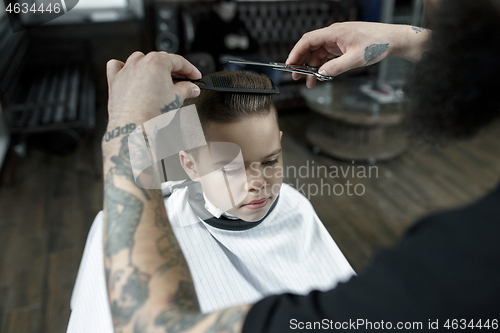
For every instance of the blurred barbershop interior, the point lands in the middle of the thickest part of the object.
(344, 141)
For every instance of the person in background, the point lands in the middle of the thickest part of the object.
(223, 33)
(443, 275)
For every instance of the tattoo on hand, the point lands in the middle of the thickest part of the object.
(175, 104)
(418, 29)
(118, 131)
(374, 51)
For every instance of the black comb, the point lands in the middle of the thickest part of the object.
(222, 83)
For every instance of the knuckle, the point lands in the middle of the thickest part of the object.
(180, 57)
(138, 53)
(155, 57)
(152, 55)
(335, 69)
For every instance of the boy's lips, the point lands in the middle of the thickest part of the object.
(257, 204)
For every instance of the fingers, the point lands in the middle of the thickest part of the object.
(296, 76)
(299, 54)
(134, 58)
(186, 90)
(341, 64)
(311, 46)
(179, 65)
(310, 42)
(112, 68)
(316, 59)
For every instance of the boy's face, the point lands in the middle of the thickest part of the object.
(259, 139)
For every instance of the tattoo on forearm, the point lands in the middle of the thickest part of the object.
(185, 297)
(374, 51)
(418, 29)
(140, 326)
(185, 314)
(124, 211)
(227, 321)
(175, 104)
(123, 166)
(119, 131)
(128, 285)
(167, 245)
(133, 293)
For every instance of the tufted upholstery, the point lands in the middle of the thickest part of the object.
(278, 25)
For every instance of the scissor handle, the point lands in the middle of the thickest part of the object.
(308, 70)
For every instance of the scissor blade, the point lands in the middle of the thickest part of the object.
(256, 63)
(306, 72)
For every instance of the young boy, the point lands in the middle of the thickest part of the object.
(269, 241)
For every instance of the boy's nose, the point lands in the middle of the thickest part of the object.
(256, 184)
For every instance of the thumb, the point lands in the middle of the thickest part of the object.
(186, 90)
(340, 65)
(112, 67)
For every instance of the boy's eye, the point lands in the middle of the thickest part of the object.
(231, 171)
(268, 163)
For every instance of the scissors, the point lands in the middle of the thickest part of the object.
(301, 69)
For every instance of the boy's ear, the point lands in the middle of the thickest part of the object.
(189, 165)
(281, 134)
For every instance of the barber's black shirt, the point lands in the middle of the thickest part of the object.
(446, 269)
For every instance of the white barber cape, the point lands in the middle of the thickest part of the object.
(289, 251)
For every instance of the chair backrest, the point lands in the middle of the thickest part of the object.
(278, 25)
(275, 25)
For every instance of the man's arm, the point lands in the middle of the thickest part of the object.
(356, 44)
(149, 285)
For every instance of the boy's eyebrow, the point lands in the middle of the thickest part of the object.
(229, 162)
(275, 153)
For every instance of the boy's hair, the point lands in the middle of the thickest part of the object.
(223, 107)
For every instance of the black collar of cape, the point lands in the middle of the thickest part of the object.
(197, 203)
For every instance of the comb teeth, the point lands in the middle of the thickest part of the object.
(221, 82)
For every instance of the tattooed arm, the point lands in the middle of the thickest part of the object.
(356, 44)
(149, 285)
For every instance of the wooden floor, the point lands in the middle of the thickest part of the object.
(423, 180)
(45, 217)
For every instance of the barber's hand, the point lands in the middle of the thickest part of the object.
(354, 44)
(142, 86)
